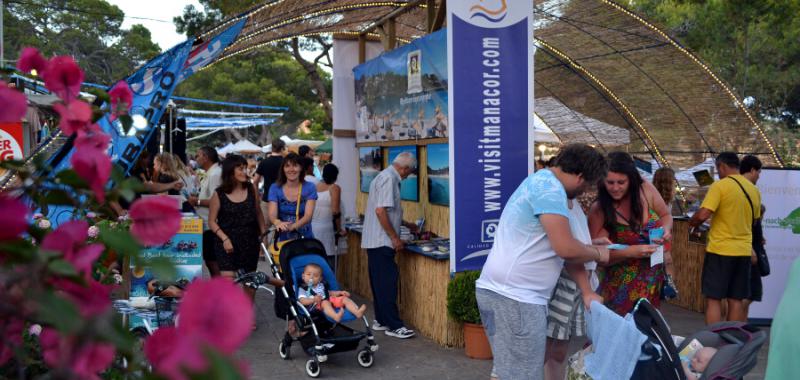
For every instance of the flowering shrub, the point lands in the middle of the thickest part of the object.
(56, 319)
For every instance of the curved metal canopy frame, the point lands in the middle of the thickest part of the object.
(606, 66)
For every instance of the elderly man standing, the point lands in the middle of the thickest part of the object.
(735, 203)
(208, 159)
(381, 238)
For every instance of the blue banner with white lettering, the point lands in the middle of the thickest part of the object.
(490, 55)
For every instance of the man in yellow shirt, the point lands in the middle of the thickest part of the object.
(735, 202)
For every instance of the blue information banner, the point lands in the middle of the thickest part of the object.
(490, 56)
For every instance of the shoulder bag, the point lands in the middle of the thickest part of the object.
(275, 247)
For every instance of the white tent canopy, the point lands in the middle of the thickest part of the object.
(225, 149)
(293, 143)
(245, 146)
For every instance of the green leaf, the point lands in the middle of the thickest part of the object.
(58, 197)
(127, 194)
(58, 312)
(100, 94)
(163, 269)
(126, 121)
(19, 249)
(120, 241)
(70, 178)
(117, 175)
(62, 267)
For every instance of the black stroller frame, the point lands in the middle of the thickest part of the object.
(318, 336)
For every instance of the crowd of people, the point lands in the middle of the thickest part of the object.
(531, 307)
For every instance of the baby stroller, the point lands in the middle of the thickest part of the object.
(737, 345)
(319, 335)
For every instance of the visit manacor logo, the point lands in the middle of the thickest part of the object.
(792, 221)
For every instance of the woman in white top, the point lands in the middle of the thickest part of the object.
(326, 223)
(566, 310)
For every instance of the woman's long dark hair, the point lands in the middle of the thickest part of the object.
(622, 163)
(294, 159)
(229, 165)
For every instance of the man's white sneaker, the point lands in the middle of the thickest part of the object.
(402, 333)
(378, 327)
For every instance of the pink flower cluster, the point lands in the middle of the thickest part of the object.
(214, 314)
(64, 77)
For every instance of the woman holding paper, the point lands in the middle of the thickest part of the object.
(628, 211)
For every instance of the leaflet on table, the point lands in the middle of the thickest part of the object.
(184, 250)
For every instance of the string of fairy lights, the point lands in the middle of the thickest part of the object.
(28, 160)
(705, 68)
(596, 80)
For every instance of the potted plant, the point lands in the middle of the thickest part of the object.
(463, 307)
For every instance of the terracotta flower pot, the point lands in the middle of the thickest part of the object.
(476, 344)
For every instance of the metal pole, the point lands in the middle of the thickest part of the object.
(170, 130)
(2, 40)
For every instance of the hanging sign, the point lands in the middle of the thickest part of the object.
(11, 141)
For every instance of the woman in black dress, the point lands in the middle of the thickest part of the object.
(235, 218)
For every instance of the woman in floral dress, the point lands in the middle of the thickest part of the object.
(627, 208)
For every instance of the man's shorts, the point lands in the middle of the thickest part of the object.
(726, 277)
(565, 312)
(756, 287)
(516, 332)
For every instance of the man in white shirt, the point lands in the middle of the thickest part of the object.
(208, 159)
(532, 241)
(383, 217)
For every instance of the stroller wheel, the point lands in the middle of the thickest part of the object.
(284, 351)
(312, 368)
(365, 358)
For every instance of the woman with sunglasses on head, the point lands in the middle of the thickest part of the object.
(627, 208)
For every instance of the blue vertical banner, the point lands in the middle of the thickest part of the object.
(490, 66)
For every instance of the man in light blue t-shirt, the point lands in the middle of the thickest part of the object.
(532, 241)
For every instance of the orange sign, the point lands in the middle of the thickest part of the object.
(11, 141)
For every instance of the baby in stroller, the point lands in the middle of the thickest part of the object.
(694, 368)
(313, 294)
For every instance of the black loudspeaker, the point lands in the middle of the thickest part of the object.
(175, 137)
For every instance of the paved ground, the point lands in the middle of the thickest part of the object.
(416, 358)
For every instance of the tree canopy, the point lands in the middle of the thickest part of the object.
(88, 30)
(753, 45)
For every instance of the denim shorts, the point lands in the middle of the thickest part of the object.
(517, 332)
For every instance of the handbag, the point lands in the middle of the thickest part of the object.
(275, 247)
(761, 254)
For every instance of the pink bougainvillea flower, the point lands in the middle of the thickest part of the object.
(171, 353)
(63, 77)
(92, 299)
(121, 99)
(90, 160)
(84, 361)
(12, 337)
(205, 302)
(14, 105)
(13, 218)
(68, 238)
(202, 311)
(30, 59)
(155, 220)
(75, 117)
